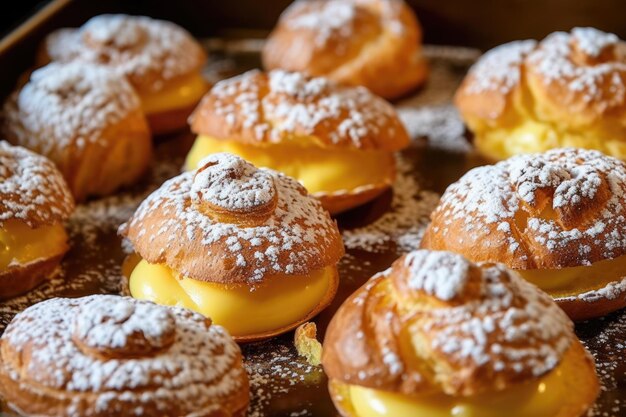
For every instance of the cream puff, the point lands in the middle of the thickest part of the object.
(437, 335)
(245, 246)
(106, 355)
(567, 90)
(34, 204)
(373, 43)
(87, 120)
(161, 60)
(337, 141)
(557, 218)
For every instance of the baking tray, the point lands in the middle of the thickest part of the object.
(283, 384)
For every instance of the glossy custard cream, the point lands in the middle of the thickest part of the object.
(542, 398)
(320, 170)
(533, 136)
(182, 93)
(568, 282)
(282, 301)
(20, 245)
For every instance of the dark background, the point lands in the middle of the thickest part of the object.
(479, 23)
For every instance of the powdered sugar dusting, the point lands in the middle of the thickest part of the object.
(572, 180)
(586, 77)
(441, 274)
(508, 327)
(593, 41)
(45, 332)
(69, 105)
(287, 104)
(500, 68)
(32, 189)
(334, 19)
(231, 183)
(115, 323)
(133, 46)
(298, 221)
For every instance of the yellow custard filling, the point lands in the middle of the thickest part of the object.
(532, 136)
(177, 95)
(568, 282)
(20, 245)
(284, 300)
(545, 397)
(320, 170)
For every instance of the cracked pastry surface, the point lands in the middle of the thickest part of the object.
(438, 335)
(35, 202)
(556, 218)
(313, 129)
(567, 90)
(87, 120)
(161, 61)
(373, 43)
(106, 355)
(230, 238)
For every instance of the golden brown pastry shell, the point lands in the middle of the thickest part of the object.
(209, 119)
(340, 394)
(580, 309)
(43, 396)
(339, 202)
(118, 157)
(388, 63)
(23, 278)
(173, 246)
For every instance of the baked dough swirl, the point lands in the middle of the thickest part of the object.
(106, 355)
(437, 330)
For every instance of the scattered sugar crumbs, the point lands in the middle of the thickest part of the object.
(275, 370)
(607, 347)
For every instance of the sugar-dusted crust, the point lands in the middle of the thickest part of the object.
(232, 223)
(87, 120)
(373, 43)
(279, 106)
(437, 323)
(32, 190)
(574, 80)
(150, 53)
(559, 209)
(106, 355)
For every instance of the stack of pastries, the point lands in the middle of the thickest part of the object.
(242, 247)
